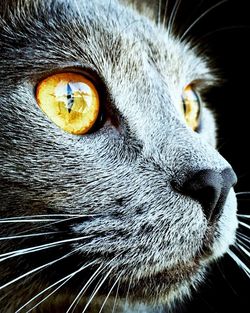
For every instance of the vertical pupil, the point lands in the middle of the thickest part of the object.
(70, 98)
(184, 105)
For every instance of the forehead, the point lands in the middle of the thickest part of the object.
(95, 32)
(138, 61)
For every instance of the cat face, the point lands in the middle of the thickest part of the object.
(143, 200)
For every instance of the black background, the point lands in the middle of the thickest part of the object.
(225, 35)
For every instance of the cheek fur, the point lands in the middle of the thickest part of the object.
(107, 199)
(227, 226)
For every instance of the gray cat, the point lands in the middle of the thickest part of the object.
(113, 197)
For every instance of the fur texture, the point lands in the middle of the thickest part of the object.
(137, 227)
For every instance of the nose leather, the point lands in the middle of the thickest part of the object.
(210, 188)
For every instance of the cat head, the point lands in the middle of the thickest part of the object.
(143, 195)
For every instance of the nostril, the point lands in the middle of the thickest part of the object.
(208, 197)
(204, 186)
(210, 188)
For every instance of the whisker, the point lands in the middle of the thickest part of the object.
(79, 12)
(165, 13)
(36, 269)
(109, 11)
(242, 236)
(173, 16)
(111, 289)
(86, 285)
(27, 236)
(44, 299)
(44, 215)
(243, 215)
(242, 193)
(238, 240)
(51, 224)
(244, 224)
(63, 280)
(239, 262)
(55, 221)
(159, 12)
(243, 249)
(129, 25)
(15, 253)
(28, 221)
(97, 289)
(127, 294)
(200, 17)
(199, 40)
(243, 241)
(116, 296)
(77, 299)
(225, 278)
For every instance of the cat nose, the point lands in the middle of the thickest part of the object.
(211, 189)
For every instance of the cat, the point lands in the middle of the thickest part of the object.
(113, 195)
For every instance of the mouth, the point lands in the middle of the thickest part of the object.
(151, 286)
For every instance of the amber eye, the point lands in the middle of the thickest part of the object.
(191, 107)
(69, 100)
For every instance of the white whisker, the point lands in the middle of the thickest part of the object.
(165, 13)
(116, 296)
(40, 216)
(64, 280)
(36, 270)
(243, 236)
(217, 31)
(242, 193)
(27, 236)
(57, 221)
(239, 262)
(28, 221)
(109, 11)
(127, 295)
(15, 253)
(44, 299)
(243, 216)
(243, 249)
(200, 17)
(241, 241)
(111, 289)
(173, 16)
(79, 12)
(96, 290)
(159, 12)
(244, 224)
(86, 285)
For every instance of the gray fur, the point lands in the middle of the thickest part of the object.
(119, 174)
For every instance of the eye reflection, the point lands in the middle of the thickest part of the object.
(70, 101)
(191, 107)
